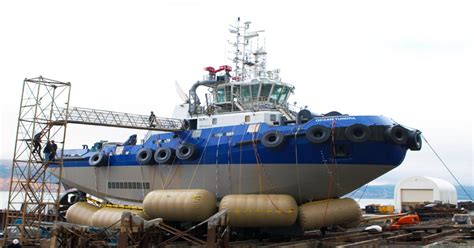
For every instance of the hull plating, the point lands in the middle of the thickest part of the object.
(304, 182)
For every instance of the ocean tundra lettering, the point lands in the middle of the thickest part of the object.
(345, 118)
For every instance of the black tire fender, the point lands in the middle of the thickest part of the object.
(318, 134)
(272, 139)
(186, 151)
(144, 156)
(414, 141)
(164, 155)
(396, 134)
(98, 159)
(357, 133)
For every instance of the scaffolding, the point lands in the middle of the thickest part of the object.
(43, 116)
(34, 191)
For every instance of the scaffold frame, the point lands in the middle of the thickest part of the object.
(34, 185)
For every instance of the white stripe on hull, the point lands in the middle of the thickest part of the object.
(304, 182)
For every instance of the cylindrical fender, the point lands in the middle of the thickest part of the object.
(186, 151)
(272, 139)
(414, 141)
(318, 134)
(164, 155)
(396, 134)
(357, 133)
(98, 159)
(144, 156)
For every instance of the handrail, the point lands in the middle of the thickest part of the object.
(96, 117)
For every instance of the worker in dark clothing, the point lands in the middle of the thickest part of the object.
(47, 151)
(37, 144)
(152, 119)
(54, 149)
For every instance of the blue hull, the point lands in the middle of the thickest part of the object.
(213, 146)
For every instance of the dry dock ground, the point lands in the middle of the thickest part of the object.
(433, 233)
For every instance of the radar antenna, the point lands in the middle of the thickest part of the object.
(249, 58)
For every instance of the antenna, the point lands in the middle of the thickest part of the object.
(249, 59)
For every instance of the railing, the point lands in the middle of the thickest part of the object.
(97, 117)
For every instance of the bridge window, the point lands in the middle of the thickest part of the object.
(265, 91)
(245, 93)
(276, 93)
(228, 94)
(236, 92)
(214, 121)
(247, 118)
(220, 95)
(283, 95)
(255, 88)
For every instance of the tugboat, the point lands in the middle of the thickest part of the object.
(245, 138)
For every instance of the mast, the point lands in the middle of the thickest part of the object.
(249, 59)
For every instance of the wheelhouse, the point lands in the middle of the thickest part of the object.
(258, 94)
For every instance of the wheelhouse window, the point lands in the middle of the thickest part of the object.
(255, 89)
(228, 94)
(245, 93)
(220, 95)
(276, 93)
(283, 96)
(265, 92)
(236, 92)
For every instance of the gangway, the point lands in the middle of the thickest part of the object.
(106, 118)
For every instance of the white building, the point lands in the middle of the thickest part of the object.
(419, 189)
